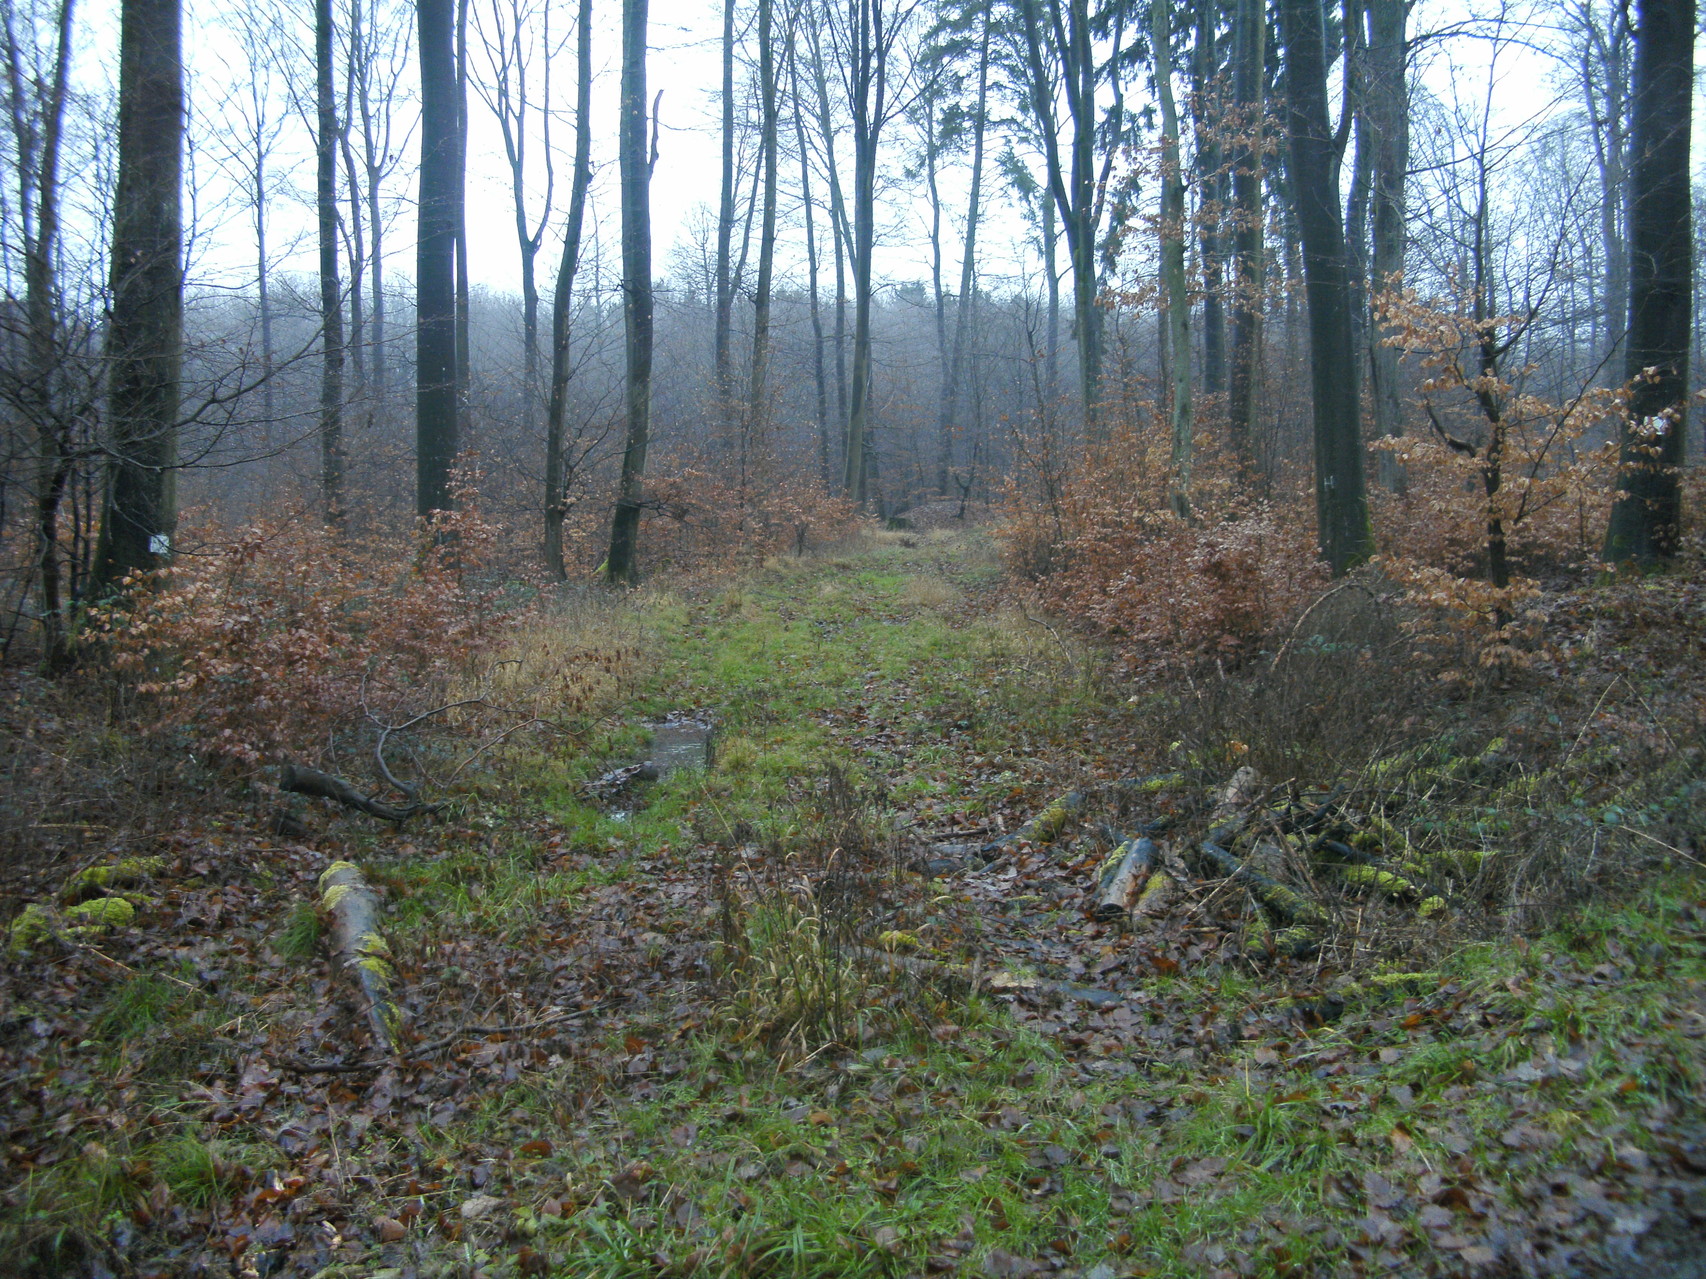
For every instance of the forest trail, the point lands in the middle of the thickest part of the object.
(770, 1017)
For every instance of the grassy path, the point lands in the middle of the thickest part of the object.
(656, 1050)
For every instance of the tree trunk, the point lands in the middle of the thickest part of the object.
(636, 290)
(437, 391)
(1248, 48)
(145, 330)
(722, 337)
(868, 71)
(758, 391)
(1362, 166)
(331, 289)
(954, 372)
(1646, 519)
(556, 478)
(1209, 111)
(1176, 295)
(1341, 501)
(464, 350)
(1074, 191)
(819, 378)
(1389, 121)
(40, 396)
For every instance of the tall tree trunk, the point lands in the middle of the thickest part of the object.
(636, 291)
(938, 295)
(263, 272)
(38, 177)
(437, 390)
(331, 290)
(1209, 111)
(868, 71)
(1646, 519)
(145, 330)
(556, 478)
(1249, 44)
(819, 378)
(841, 237)
(722, 336)
(1389, 121)
(758, 390)
(1341, 501)
(1362, 170)
(1176, 343)
(954, 372)
(464, 341)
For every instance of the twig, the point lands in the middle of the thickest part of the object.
(1304, 616)
(420, 1050)
(1064, 651)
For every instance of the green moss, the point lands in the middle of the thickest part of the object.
(34, 925)
(107, 912)
(335, 868)
(126, 873)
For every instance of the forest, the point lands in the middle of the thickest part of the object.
(851, 637)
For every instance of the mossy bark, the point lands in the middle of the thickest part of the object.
(361, 950)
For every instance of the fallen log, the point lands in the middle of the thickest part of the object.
(311, 781)
(361, 950)
(1122, 879)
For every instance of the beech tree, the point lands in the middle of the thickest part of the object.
(556, 415)
(438, 391)
(1646, 519)
(327, 134)
(1341, 500)
(636, 166)
(145, 329)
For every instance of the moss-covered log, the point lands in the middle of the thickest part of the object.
(1285, 903)
(360, 948)
(127, 872)
(1123, 877)
(1044, 827)
(1157, 894)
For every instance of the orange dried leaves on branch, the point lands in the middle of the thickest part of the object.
(268, 644)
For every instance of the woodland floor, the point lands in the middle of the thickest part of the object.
(642, 1043)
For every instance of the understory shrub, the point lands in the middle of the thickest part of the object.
(271, 642)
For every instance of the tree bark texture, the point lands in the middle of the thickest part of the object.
(636, 291)
(437, 388)
(1341, 500)
(1645, 524)
(1248, 285)
(556, 416)
(331, 288)
(145, 331)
